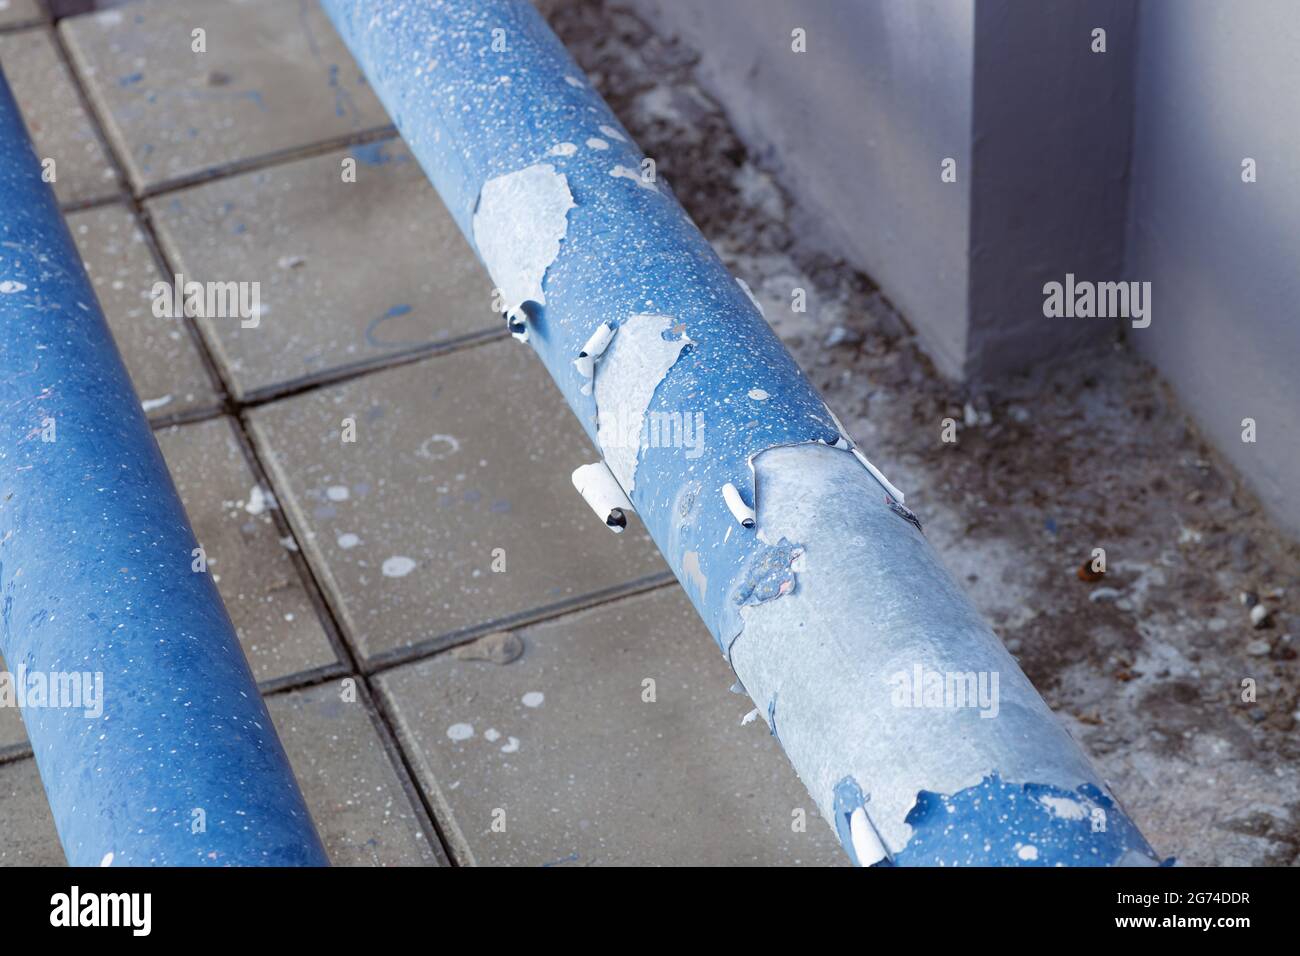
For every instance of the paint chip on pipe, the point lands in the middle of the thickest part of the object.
(632, 367)
(521, 219)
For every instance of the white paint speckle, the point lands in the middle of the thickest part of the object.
(397, 566)
(1064, 807)
(510, 746)
(337, 493)
(597, 143)
(259, 500)
(9, 287)
(758, 395)
(613, 133)
(562, 149)
(1028, 852)
(534, 698)
(107, 860)
(491, 735)
(460, 732)
(575, 82)
(622, 172)
(348, 540)
(149, 404)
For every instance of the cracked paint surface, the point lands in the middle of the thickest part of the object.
(872, 596)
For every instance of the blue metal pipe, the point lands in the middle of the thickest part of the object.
(152, 741)
(802, 559)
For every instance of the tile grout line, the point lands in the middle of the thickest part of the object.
(424, 650)
(22, 25)
(398, 759)
(281, 157)
(349, 663)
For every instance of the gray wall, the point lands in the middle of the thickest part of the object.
(1052, 136)
(1216, 83)
(858, 126)
(1119, 165)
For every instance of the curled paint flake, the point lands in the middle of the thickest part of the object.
(853, 825)
(520, 221)
(752, 298)
(771, 573)
(904, 512)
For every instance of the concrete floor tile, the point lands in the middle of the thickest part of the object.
(12, 733)
(278, 626)
(361, 809)
(562, 751)
(348, 272)
(58, 124)
(455, 457)
(27, 834)
(13, 12)
(160, 354)
(274, 77)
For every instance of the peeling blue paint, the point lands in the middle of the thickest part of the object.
(769, 574)
(1009, 824)
(481, 89)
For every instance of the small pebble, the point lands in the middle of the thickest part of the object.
(1259, 615)
(1257, 648)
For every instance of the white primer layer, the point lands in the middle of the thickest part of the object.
(630, 371)
(521, 219)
